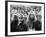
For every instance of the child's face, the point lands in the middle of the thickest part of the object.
(31, 15)
(39, 17)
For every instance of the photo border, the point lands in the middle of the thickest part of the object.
(6, 17)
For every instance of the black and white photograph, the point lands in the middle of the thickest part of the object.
(25, 18)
